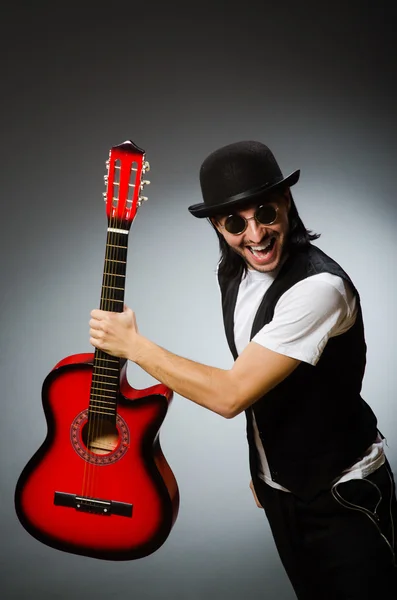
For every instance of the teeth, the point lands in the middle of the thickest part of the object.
(262, 247)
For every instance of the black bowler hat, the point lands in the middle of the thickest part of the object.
(238, 174)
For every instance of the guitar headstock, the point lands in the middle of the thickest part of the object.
(126, 166)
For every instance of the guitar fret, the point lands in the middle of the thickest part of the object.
(109, 359)
(116, 261)
(102, 396)
(106, 369)
(115, 246)
(112, 405)
(99, 375)
(113, 274)
(112, 300)
(112, 287)
(95, 393)
(103, 402)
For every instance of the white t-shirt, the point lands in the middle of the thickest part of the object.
(305, 317)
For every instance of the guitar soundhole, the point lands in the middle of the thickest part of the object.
(102, 443)
(101, 438)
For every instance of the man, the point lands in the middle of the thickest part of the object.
(293, 322)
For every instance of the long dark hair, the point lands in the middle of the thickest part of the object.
(232, 264)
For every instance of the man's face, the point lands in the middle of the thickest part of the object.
(261, 246)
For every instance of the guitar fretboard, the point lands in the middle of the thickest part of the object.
(114, 271)
(106, 371)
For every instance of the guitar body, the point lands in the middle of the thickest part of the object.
(135, 473)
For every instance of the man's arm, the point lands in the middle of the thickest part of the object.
(226, 392)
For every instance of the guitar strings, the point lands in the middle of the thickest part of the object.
(94, 420)
(107, 302)
(96, 428)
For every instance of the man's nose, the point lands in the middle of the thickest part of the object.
(254, 231)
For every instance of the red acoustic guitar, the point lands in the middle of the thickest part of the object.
(100, 485)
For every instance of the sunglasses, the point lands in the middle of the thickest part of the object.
(264, 215)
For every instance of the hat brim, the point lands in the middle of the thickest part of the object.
(202, 210)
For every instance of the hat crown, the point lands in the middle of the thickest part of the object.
(237, 168)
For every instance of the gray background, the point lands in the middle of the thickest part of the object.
(314, 82)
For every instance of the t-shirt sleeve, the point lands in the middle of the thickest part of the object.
(305, 317)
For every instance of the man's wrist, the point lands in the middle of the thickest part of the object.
(136, 348)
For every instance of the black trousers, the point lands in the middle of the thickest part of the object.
(342, 544)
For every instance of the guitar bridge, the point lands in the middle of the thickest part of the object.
(95, 506)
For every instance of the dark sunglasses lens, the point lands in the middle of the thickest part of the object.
(235, 224)
(266, 214)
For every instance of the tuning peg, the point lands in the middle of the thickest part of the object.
(143, 198)
(145, 182)
(104, 194)
(146, 166)
(106, 177)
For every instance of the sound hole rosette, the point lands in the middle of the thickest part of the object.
(76, 438)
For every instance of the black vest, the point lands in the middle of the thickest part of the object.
(314, 424)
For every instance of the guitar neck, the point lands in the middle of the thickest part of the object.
(114, 271)
(106, 371)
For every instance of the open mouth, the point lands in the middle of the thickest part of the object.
(263, 250)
